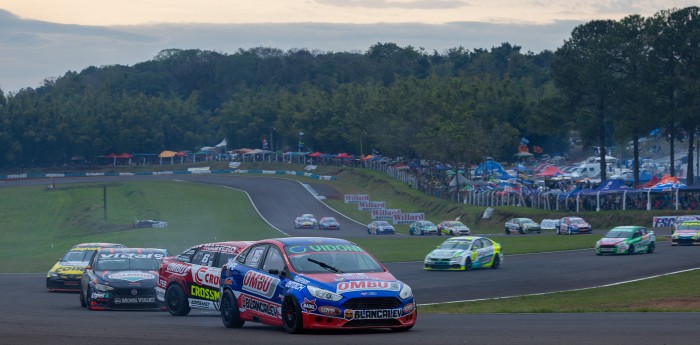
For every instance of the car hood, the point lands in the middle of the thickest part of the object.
(120, 279)
(611, 241)
(356, 282)
(581, 225)
(445, 253)
(687, 232)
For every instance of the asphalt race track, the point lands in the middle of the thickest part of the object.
(31, 315)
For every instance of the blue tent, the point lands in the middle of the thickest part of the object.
(609, 187)
(489, 167)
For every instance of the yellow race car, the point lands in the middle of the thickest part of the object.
(463, 253)
(65, 275)
(688, 232)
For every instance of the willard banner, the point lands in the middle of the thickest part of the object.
(371, 205)
(387, 214)
(408, 218)
(355, 198)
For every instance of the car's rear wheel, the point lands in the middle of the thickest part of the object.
(521, 231)
(230, 315)
(651, 247)
(176, 301)
(496, 261)
(291, 316)
(452, 233)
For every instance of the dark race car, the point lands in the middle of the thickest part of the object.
(191, 279)
(301, 283)
(66, 273)
(122, 279)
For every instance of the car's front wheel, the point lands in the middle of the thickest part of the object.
(88, 293)
(468, 264)
(230, 315)
(291, 316)
(496, 261)
(82, 299)
(176, 300)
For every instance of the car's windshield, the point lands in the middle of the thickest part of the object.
(78, 255)
(689, 227)
(346, 258)
(461, 245)
(619, 234)
(329, 220)
(122, 262)
(577, 221)
(382, 223)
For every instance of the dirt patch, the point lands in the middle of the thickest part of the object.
(687, 303)
(326, 190)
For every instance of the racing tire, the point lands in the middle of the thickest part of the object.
(651, 247)
(291, 316)
(376, 231)
(411, 232)
(521, 231)
(452, 233)
(496, 262)
(369, 231)
(507, 231)
(176, 301)
(230, 315)
(82, 299)
(568, 231)
(468, 264)
(630, 250)
(87, 299)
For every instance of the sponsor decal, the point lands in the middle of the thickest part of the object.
(260, 306)
(665, 221)
(99, 295)
(177, 268)
(295, 286)
(162, 283)
(260, 284)
(309, 305)
(198, 303)
(348, 314)
(324, 248)
(207, 276)
(355, 198)
(367, 205)
(409, 308)
(70, 269)
(375, 314)
(385, 214)
(368, 293)
(361, 285)
(204, 293)
(328, 310)
(228, 281)
(301, 280)
(408, 218)
(132, 276)
(134, 300)
(352, 276)
(131, 256)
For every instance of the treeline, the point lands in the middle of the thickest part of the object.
(612, 80)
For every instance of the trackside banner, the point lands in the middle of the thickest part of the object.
(408, 218)
(371, 205)
(355, 198)
(665, 221)
(386, 214)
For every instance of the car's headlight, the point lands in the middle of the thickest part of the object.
(323, 294)
(53, 274)
(406, 292)
(103, 287)
(597, 244)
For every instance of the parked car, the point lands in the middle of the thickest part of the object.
(66, 273)
(573, 225)
(328, 223)
(149, 223)
(380, 227)
(626, 240)
(301, 283)
(452, 228)
(521, 226)
(688, 232)
(422, 227)
(464, 253)
(122, 279)
(191, 279)
(305, 221)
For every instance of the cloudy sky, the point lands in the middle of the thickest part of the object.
(43, 39)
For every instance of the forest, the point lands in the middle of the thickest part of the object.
(611, 82)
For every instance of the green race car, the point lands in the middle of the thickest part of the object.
(463, 253)
(626, 240)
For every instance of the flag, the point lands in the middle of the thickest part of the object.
(375, 152)
(523, 148)
(537, 149)
(524, 141)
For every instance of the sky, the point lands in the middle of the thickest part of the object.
(44, 39)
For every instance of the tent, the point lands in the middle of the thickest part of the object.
(344, 156)
(489, 167)
(654, 180)
(667, 183)
(609, 187)
(550, 171)
(315, 154)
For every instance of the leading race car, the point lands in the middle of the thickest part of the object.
(521, 226)
(687, 232)
(464, 253)
(122, 279)
(191, 279)
(305, 221)
(626, 240)
(422, 227)
(65, 275)
(452, 228)
(301, 283)
(573, 225)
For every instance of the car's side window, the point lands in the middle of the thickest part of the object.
(486, 244)
(241, 257)
(476, 245)
(255, 256)
(273, 260)
(203, 257)
(186, 256)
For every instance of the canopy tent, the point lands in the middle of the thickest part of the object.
(609, 187)
(653, 181)
(550, 171)
(344, 156)
(489, 167)
(315, 154)
(667, 183)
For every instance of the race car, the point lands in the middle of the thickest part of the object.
(687, 232)
(380, 227)
(191, 279)
(122, 279)
(422, 227)
(521, 226)
(452, 228)
(626, 240)
(305, 221)
(463, 253)
(301, 283)
(573, 225)
(328, 223)
(66, 273)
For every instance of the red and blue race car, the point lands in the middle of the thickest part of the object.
(191, 279)
(301, 283)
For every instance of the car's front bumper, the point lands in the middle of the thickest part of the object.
(684, 241)
(62, 283)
